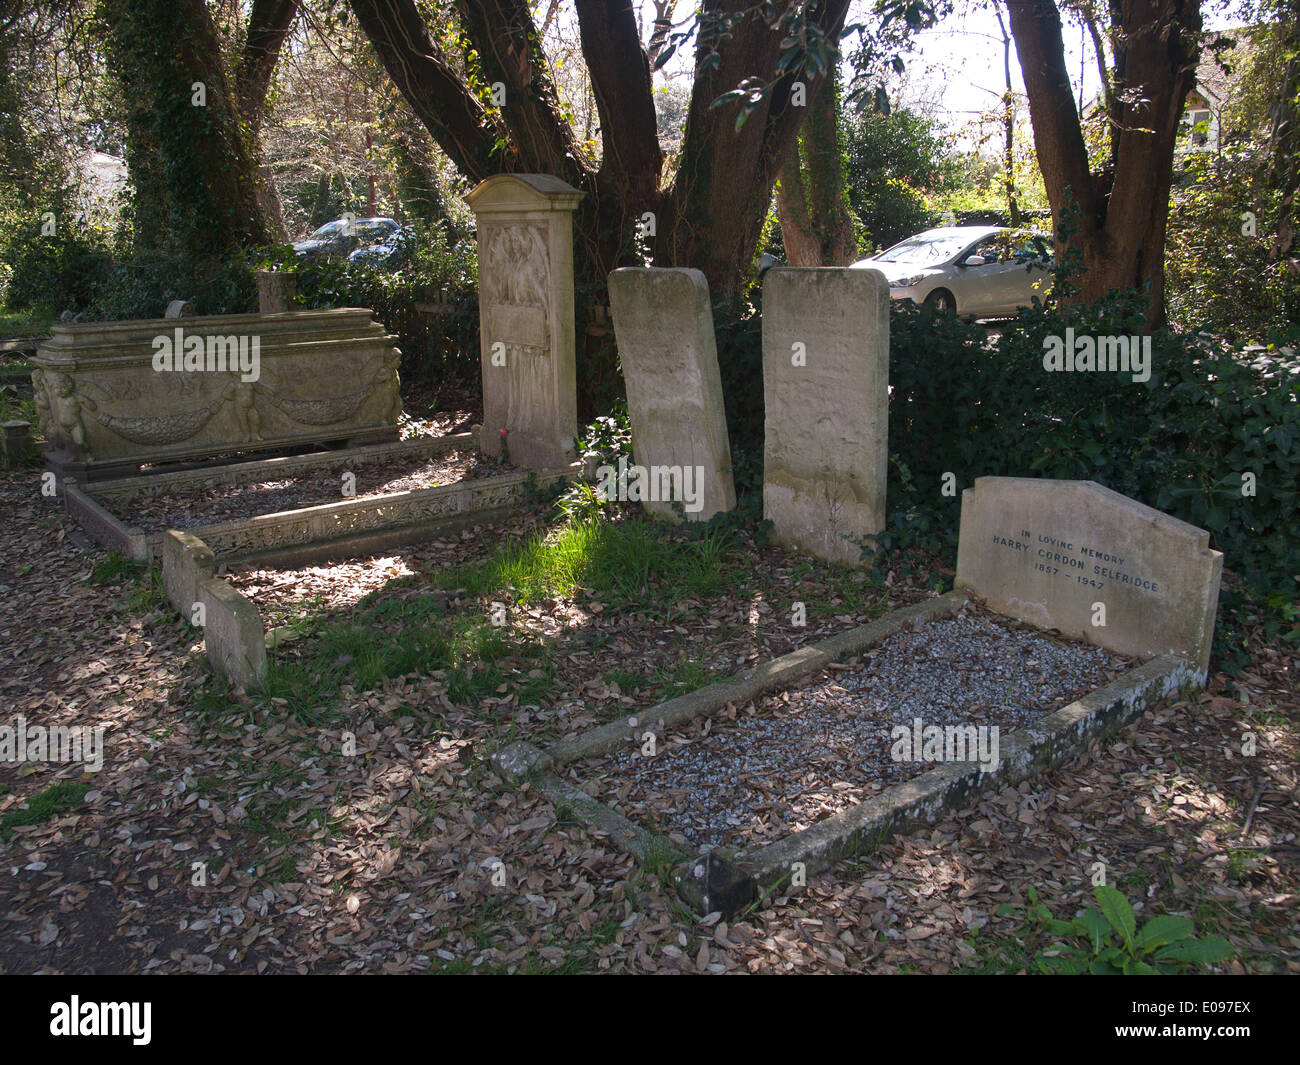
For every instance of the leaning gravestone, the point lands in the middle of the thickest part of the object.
(1074, 556)
(826, 392)
(525, 255)
(663, 322)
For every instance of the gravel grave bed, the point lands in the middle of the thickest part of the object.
(236, 502)
(760, 772)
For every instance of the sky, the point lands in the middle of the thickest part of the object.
(956, 71)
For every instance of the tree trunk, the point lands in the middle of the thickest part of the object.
(812, 198)
(709, 217)
(1284, 145)
(192, 148)
(1008, 124)
(1123, 209)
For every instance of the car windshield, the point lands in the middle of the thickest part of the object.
(330, 228)
(373, 230)
(922, 251)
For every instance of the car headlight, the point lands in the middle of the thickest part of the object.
(907, 282)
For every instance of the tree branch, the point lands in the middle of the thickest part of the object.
(454, 116)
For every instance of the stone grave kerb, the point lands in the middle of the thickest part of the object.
(526, 321)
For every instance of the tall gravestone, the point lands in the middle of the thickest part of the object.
(525, 268)
(663, 322)
(1080, 558)
(826, 394)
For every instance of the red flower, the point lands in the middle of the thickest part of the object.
(505, 432)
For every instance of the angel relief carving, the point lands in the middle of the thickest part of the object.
(517, 266)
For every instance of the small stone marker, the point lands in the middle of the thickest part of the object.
(1052, 552)
(826, 393)
(17, 441)
(179, 309)
(275, 291)
(525, 255)
(663, 322)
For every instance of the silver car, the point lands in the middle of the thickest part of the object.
(973, 271)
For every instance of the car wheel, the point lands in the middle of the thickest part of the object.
(941, 300)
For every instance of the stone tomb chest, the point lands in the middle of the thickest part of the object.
(115, 395)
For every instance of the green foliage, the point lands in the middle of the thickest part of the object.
(970, 405)
(434, 346)
(1219, 272)
(1113, 944)
(738, 331)
(58, 798)
(894, 160)
(636, 561)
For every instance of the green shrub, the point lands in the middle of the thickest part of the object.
(966, 404)
(434, 347)
(1113, 944)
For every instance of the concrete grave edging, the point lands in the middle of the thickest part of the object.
(233, 635)
(312, 534)
(728, 881)
(925, 799)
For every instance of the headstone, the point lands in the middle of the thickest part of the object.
(663, 322)
(179, 309)
(1077, 557)
(17, 441)
(826, 395)
(275, 291)
(525, 257)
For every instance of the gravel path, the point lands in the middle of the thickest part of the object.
(209, 506)
(808, 753)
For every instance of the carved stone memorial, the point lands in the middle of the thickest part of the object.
(664, 324)
(826, 401)
(112, 396)
(525, 255)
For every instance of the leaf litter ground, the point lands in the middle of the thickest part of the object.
(317, 862)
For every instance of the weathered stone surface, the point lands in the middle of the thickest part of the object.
(1065, 554)
(520, 760)
(232, 635)
(186, 563)
(826, 393)
(17, 441)
(711, 883)
(525, 255)
(275, 291)
(179, 309)
(116, 394)
(663, 321)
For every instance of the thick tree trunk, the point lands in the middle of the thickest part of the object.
(1284, 144)
(812, 199)
(711, 215)
(192, 148)
(1123, 210)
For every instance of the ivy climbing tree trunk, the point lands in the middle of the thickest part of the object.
(192, 145)
(812, 196)
(1123, 205)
